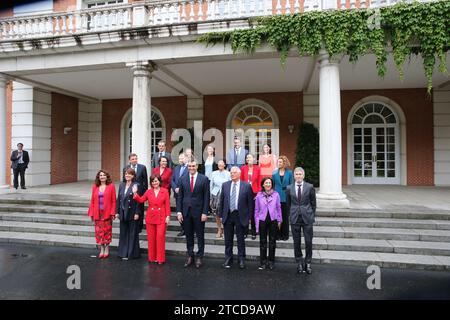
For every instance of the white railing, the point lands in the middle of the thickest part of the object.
(110, 18)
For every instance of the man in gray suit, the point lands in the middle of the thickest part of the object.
(301, 204)
(237, 155)
(162, 153)
(19, 163)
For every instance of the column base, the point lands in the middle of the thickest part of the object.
(326, 200)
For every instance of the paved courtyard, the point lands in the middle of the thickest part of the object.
(33, 272)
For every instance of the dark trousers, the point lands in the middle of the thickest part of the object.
(252, 226)
(195, 225)
(141, 217)
(267, 228)
(175, 195)
(20, 170)
(234, 224)
(308, 235)
(284, 231)
(129, 239)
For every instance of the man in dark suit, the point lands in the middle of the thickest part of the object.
(162, 153)
(192, 211)
(236, 156)
(142, 179)
(178, 172)
(301, 204)
(236, 206)
(19, 163)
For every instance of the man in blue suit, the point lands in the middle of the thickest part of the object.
(192, 211)
(236, 206)
(236, 156)
(180, 171)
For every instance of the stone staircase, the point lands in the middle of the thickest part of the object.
(399, 239)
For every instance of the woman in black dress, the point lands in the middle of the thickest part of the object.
(128, 214)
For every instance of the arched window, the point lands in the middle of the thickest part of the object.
(256, 123)
(158, 132)
(375, 135)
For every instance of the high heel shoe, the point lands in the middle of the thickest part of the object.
(106, 255)
(101, 256)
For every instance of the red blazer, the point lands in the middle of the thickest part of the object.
(109, 203)
(166, 177)
(256, 177)
(158, 207)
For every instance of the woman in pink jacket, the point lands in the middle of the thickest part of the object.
(268, 220)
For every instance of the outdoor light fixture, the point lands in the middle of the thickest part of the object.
(67, 130)
(291, 128)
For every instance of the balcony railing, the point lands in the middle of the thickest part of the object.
(110, 18)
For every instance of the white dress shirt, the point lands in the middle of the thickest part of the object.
(195, 179)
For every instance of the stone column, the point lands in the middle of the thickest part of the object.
(330, 194)
(141, 113)
(4, 154)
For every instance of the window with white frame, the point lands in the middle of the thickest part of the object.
(158, 132)
(255, 125)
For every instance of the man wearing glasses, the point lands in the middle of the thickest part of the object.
(192, 208)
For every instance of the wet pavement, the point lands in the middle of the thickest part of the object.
(33, 272)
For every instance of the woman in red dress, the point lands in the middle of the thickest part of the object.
(267, 162)
(102, 210)
(164, 172)
(157, 218)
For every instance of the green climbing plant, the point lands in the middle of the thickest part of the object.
(404, 30)
(307, 153)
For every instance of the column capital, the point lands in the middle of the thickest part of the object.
(142, 68)
(325, 60)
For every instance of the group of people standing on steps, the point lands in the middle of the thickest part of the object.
(245, 198)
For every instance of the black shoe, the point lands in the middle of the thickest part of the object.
(198, 263)
(308, 268)
(242, 264)
(253, 236)
(228, 263)
(271, 265)
(245, 236)
(300, 268)
(23, 188)
(188, 262)
(262, 266)
(181, 234)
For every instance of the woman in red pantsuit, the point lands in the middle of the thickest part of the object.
(157, 218)
(164, 172)
(102, 210)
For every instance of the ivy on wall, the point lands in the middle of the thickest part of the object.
(403, 29)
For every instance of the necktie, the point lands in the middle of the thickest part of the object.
(235, 156)
(192, 183)
(233, 198)
(181, 171)
(299, 192)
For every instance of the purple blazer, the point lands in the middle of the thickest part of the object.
(264, 204)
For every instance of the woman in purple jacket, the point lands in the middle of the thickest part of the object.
(268, 220)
